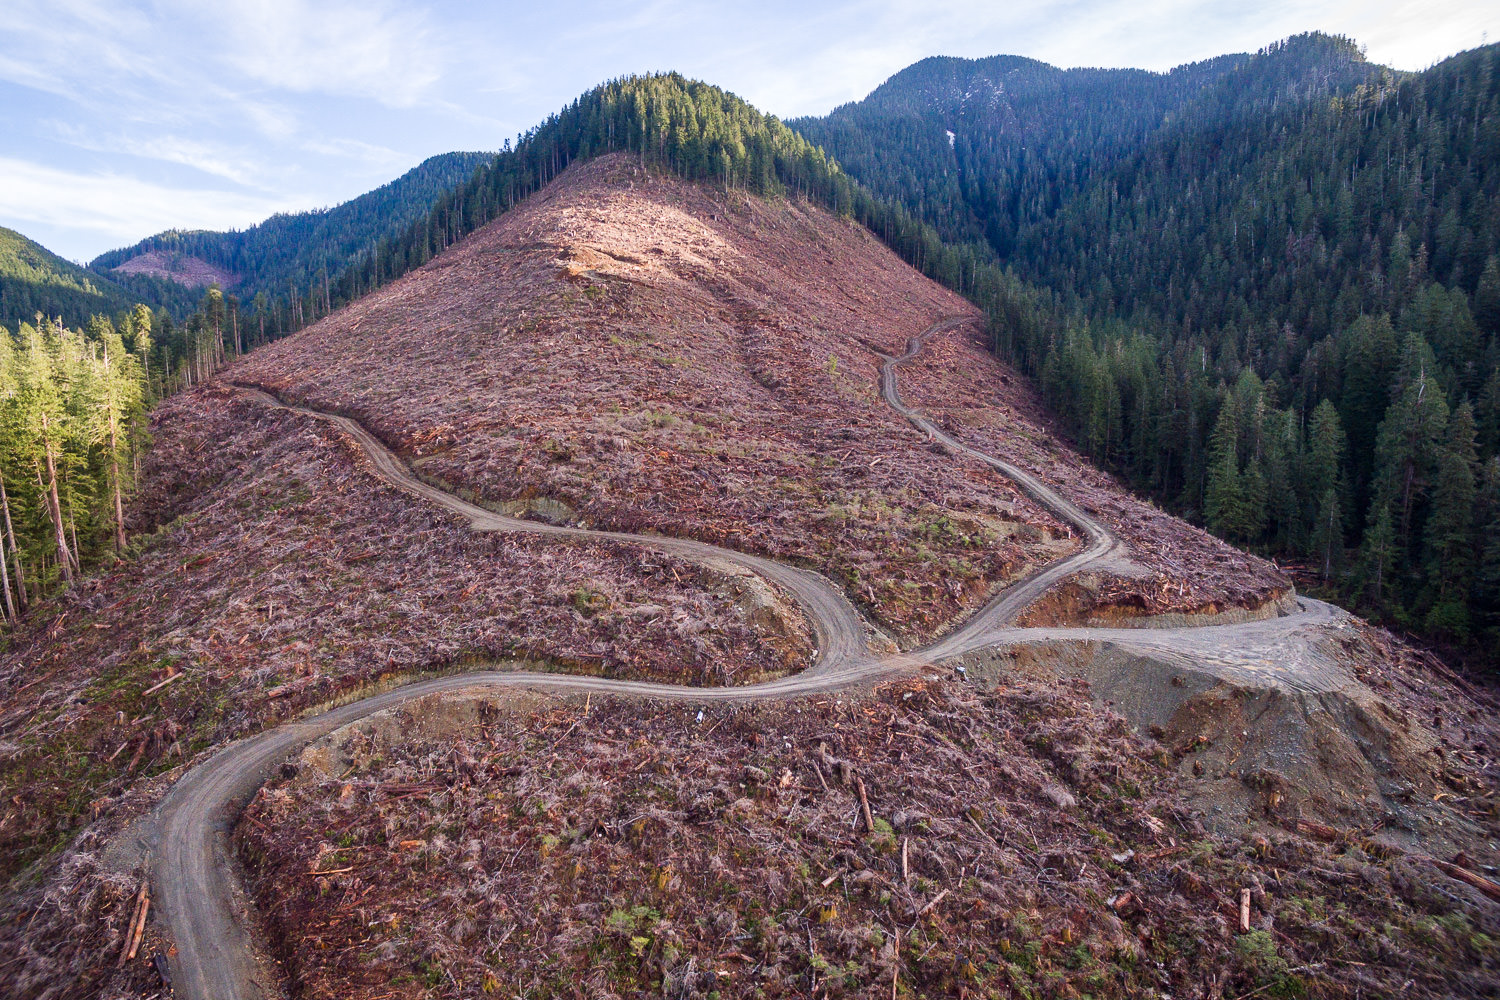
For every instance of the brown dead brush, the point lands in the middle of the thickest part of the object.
(281, 575)
(931, 841)
(639, 352)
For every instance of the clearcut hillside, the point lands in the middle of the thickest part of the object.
(632, 350)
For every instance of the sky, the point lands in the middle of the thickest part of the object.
(119, 118)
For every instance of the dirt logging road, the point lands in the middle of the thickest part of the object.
(192, 863)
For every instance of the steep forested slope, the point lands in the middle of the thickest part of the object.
(1269, 260)
(35, 280)
(976, 145)
(991, 147)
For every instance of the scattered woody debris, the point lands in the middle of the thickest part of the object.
(626, 849)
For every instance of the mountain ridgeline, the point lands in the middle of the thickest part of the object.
(692, 129)
(35, 280)
(291, 252)
(1263, 288)
(292, 270)
(1273, 284)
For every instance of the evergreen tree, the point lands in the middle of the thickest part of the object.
(1407, 449)
(1323, 470)
(1449, 555)
(1487, 298)
(1370, 356)
(1378, 555)
(1487, 582)
(1223, 495)
(1327, 541)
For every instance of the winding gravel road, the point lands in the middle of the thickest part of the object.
(193, 872)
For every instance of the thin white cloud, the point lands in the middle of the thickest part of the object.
(121, 207)
(286, 103)
(370, 50)
(50, 36)
(368, 154)
(227, 162)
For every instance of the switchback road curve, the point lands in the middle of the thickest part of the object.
(193, 870)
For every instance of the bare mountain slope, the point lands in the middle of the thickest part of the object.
(636, 351)
(185, 269)
(630, 351)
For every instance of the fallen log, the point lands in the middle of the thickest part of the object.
(1489, 887)
(935, 900)
(158, 686)
(137, 915)
(140, 928)
(1320, 831)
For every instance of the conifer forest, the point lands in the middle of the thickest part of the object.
(1264, 289)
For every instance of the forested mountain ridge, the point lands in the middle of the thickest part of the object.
(296, 250)
(1254, 281)
(33, 279)
(984, 147)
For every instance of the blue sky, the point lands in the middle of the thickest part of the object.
(119, 119)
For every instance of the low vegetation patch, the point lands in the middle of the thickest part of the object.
(281, 575)
(930, 841)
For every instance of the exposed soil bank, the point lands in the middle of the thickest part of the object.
(1089, 599)
(1309, 727)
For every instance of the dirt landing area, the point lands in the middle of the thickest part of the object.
(1300, 727)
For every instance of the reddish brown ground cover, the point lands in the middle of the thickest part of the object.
(184, 269)
(284, 575)
(957, 382)
(629, 351)
(660, 356)
(1019, 843)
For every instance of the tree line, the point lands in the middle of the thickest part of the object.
(1275, 309)
(73, 405)
(1348, 421)
(74, 409)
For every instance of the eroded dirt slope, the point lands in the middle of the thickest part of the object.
(634, 351)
